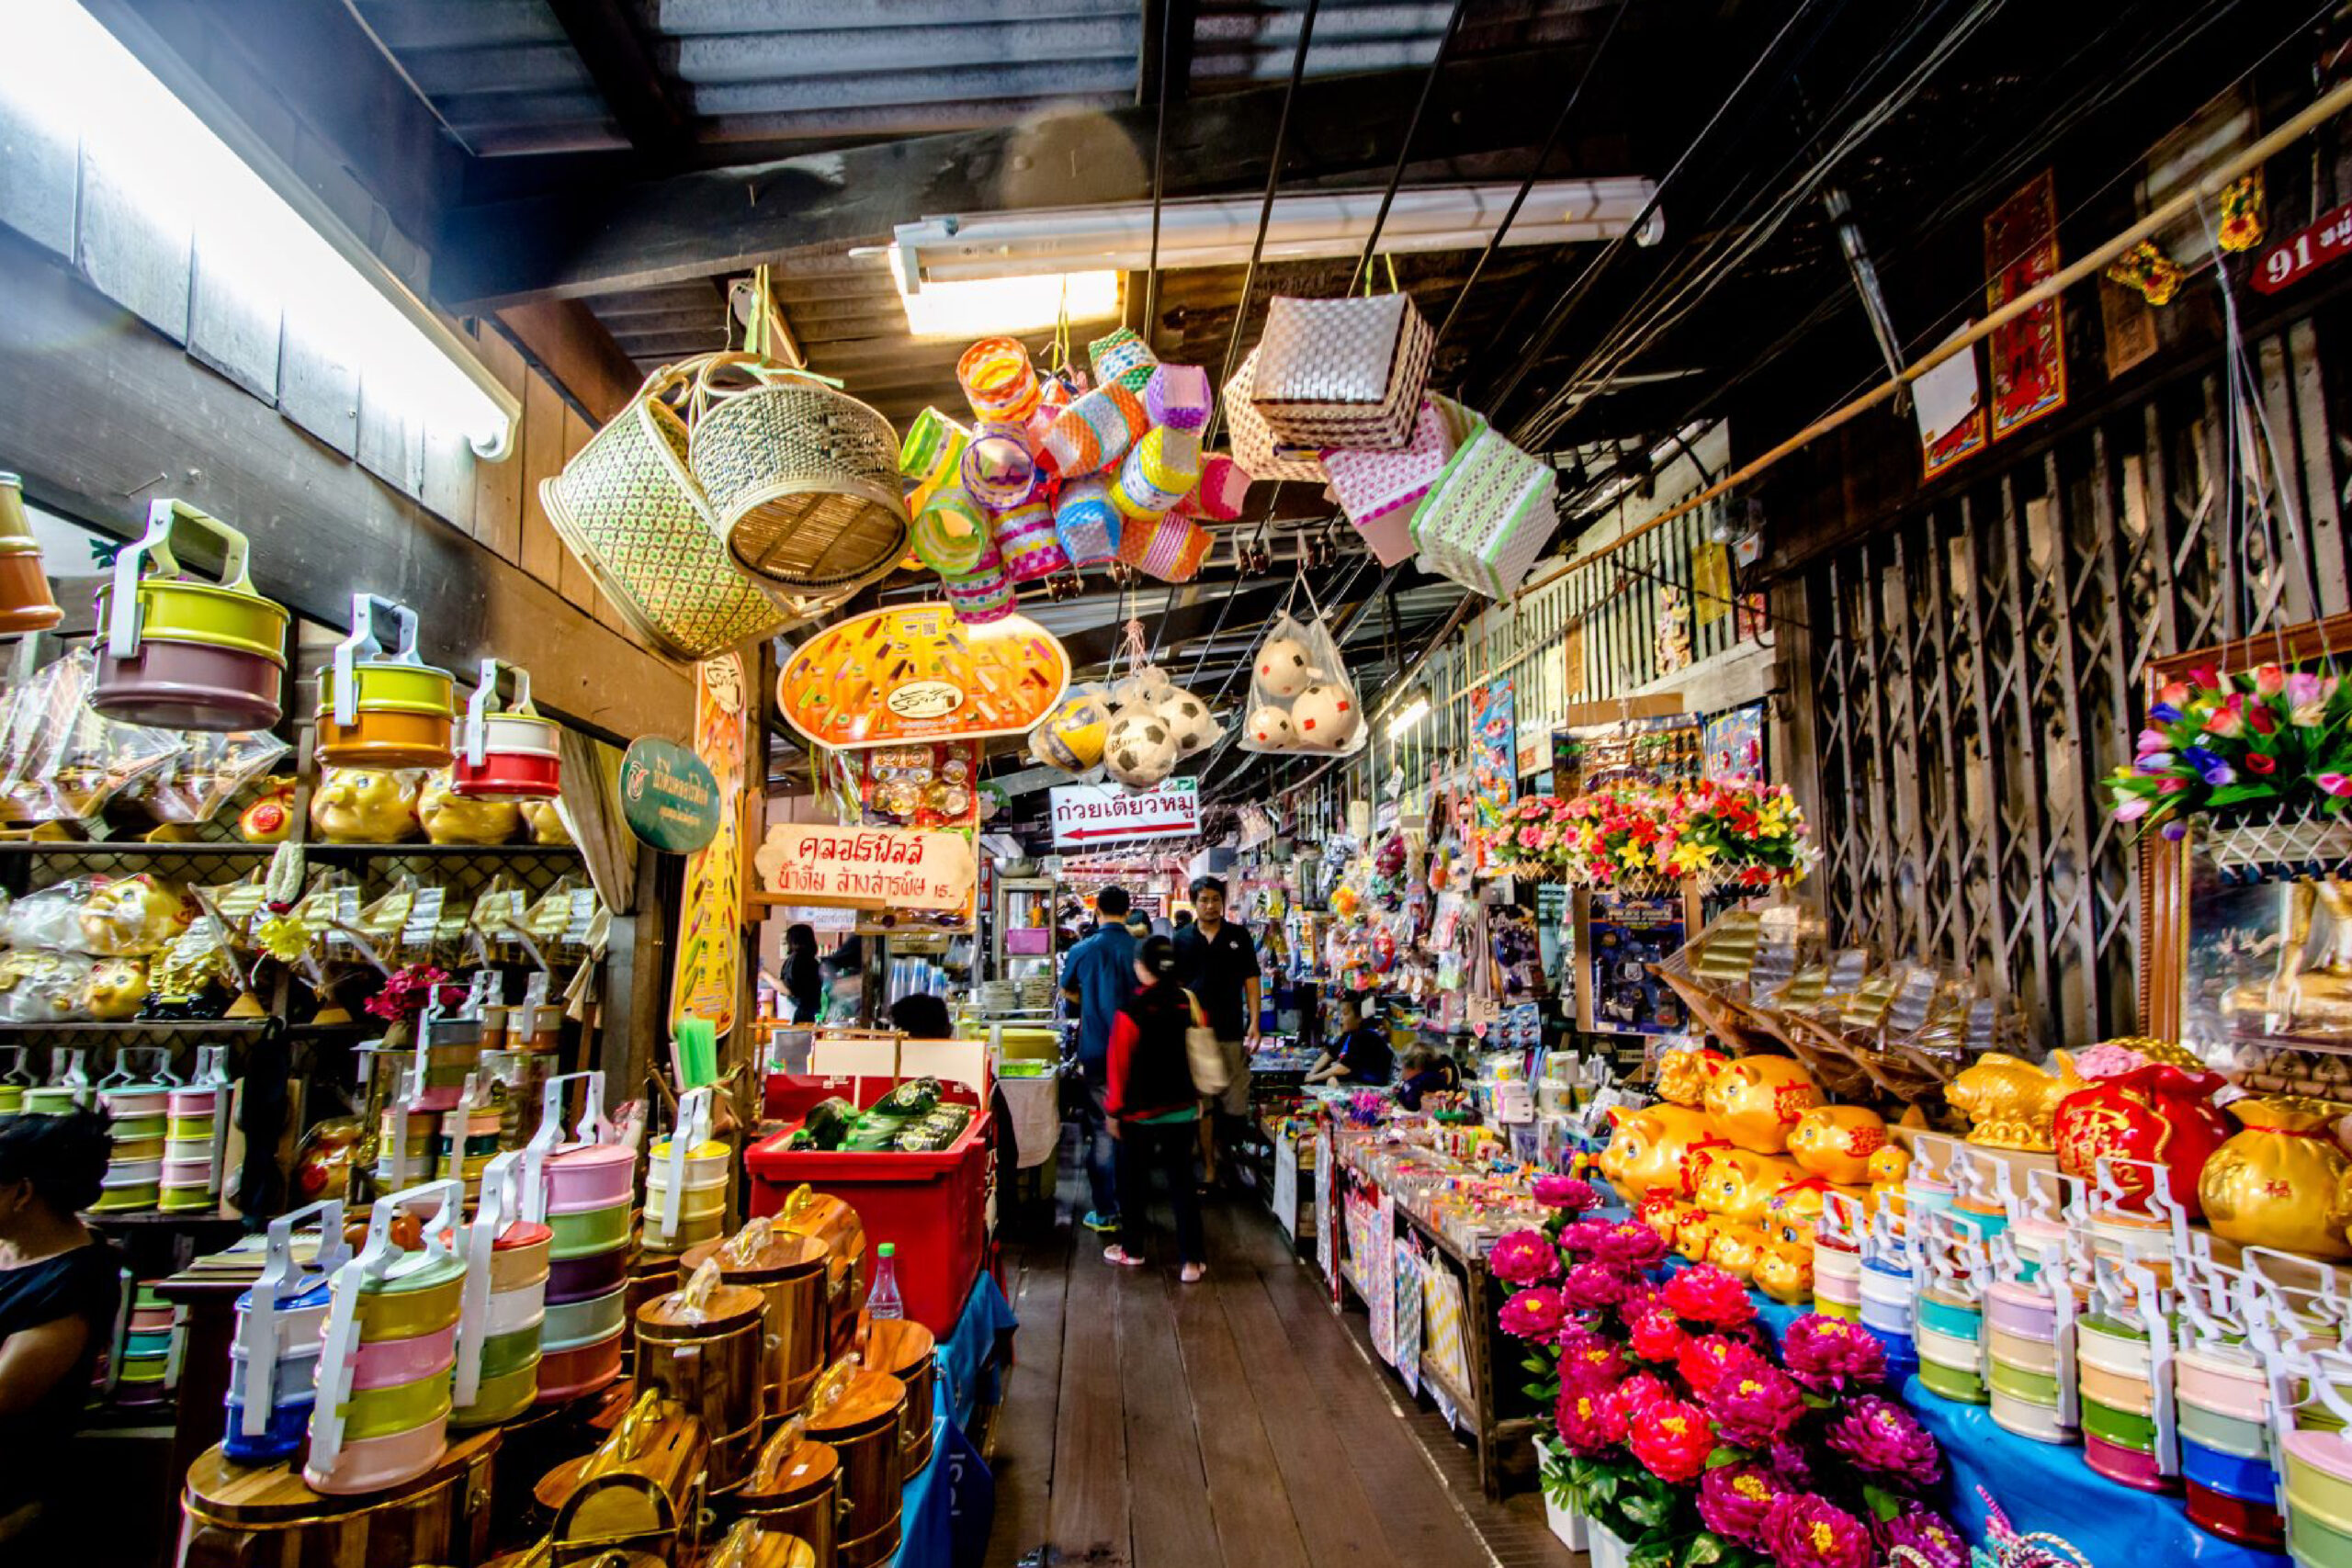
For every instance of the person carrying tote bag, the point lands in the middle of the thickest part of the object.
(1153, 1101)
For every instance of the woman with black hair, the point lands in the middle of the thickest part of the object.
(1153, 1106)
(804, 977)
(59, 1286)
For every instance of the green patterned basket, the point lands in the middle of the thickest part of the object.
(630, 510)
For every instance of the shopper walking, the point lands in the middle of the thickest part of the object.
(1153, 1107)
(1218, 962)
(1098, 977)
(804, 977)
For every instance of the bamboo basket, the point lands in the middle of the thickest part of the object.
(628, 507)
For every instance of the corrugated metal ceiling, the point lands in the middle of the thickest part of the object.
(504, 78)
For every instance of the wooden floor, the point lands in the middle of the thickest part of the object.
(1150, 1424)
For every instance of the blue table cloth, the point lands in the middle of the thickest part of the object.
(944, 1518)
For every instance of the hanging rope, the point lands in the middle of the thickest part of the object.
(1405, 151)
(1158, 170)
(1265, 212)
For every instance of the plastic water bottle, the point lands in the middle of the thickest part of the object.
(882, 1301)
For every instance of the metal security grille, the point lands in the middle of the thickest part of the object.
(1978, 668)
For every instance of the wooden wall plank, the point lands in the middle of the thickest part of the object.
(498, 487)
(542, 444)
(137, 258)
(234, 331)
(39, 180)
(317, 389)
(447, 490)
(383, 439)
(91, 425)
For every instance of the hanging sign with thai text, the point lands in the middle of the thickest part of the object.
(867, 868)
(1095, 814)
(669, 795)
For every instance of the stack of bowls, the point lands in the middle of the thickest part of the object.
(134, 1177)
(2021, 1324)
(2319, 1499)
(512, 1328)
(143, 1376)
(2222, 1398)
(1886, 1288)
(301, 1318)
(1950, 1327)
(467, 1139)
(1836, 1277)
(412, 1131)
(56, 1100)
(395, 1405)
(2119, 1402)
(702, 1215)
(188, 1149)
(591, 1188)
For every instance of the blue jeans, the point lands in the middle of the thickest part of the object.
(1098, 1148)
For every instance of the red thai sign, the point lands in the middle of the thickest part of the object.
(2287, 262)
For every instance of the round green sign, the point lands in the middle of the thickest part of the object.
(669, 795)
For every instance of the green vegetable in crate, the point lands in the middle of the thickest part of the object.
(916, 1097)
(828, 1122)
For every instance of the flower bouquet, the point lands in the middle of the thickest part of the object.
(2269, 739)
(1733, 832)
(1682, 1433)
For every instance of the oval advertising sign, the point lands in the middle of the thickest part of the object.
(669, 795)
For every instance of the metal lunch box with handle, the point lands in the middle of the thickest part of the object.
(2131, 1430)
(576, 1279)
(26, 603)
(274, 1353)
(391, 1308)
(2125, 1466)
(567, 1371)
(2029, 1419)
(2253, 1522)
(592, 1172)
(574, 1322)
(2231, 1476)
(2026, 1355)
(2246, 1438)
(506, 751)
(180, 652)
(390, 709)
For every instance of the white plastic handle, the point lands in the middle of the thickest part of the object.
(592, 1126)
(368, 612)
(692, 1127)
(481, 1240)
(379, 1259)
(485, 701)
(280, 1275)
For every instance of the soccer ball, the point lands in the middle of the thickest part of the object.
(1326, 715)
(1270, 726)
(1142, 748)
(1284, 668)
(1189, 719)
(1071, 736)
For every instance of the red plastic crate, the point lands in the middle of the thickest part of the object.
(932, 1207)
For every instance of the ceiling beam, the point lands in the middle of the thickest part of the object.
(604, 238)
(608, 45)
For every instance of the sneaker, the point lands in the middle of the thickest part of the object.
(1122, 1257)
(1105, 1223)
(1191, 1273)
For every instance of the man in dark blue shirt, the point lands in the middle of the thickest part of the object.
(1098, 977)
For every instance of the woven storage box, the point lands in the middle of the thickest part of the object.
(998, 382)
(1025, 542)
(980, 596)
(1122, 358)
(1096, 432)
(1087, 524)
(1342, 372)
(1160, 471)
(1379, 490)
(950, 533)
(1488, 515)
(630, 508)
(1169, 547)
(803, 481)
(1223, 487)
(1258, 452)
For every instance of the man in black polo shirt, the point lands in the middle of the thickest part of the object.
(1218, 962)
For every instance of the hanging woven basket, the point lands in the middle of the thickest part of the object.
(803, 478)
(628, 506)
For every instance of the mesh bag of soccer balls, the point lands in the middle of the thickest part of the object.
(1301, 701)
(1134, 730)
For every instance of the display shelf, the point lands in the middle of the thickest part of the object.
(61, 849)
(147, 1025)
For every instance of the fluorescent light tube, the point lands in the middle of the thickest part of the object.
(981, 307)
(1218, 231)
(67, 74)
(1405, 717)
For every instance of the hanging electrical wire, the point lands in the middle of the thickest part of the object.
(1363, 272)
(1168, 9)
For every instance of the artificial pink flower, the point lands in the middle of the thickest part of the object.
(2269, 679)
(1657, 1336)
(2225, 721)
(2208, 676)
(1805, 1532)
(1524, 1258)
(1881, 1436)
(1925, 1531)
(2337, 784)
(1594, 1284)
(1672, 1440)
(1568, 1192)
(1826, 1353)
(1631, 1245)
(1734, 1499)
(1534, 1313)
(2172, 693)
(2152, 740)
(1589, 1423)
(1706, 1294)
(1580, 1239)
(2131, 808)
(1640, 1393)
(2172, 785)
(1754, 1405)
(1709, 1357)
(1588, 1361)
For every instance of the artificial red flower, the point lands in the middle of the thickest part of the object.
(1707, 1294)
(1657, 1336)
(1589, 1423)
(1673, 1440)
(2255, 762)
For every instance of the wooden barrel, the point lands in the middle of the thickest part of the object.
(835, 1224)
(771, 1549)
(247, 1516)
(863, 1427)
(709, 1363)
(651, 1276)
(906, 1350)
(790, 1275)
(804, 1501)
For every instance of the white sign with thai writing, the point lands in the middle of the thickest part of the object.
(1094, 814)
